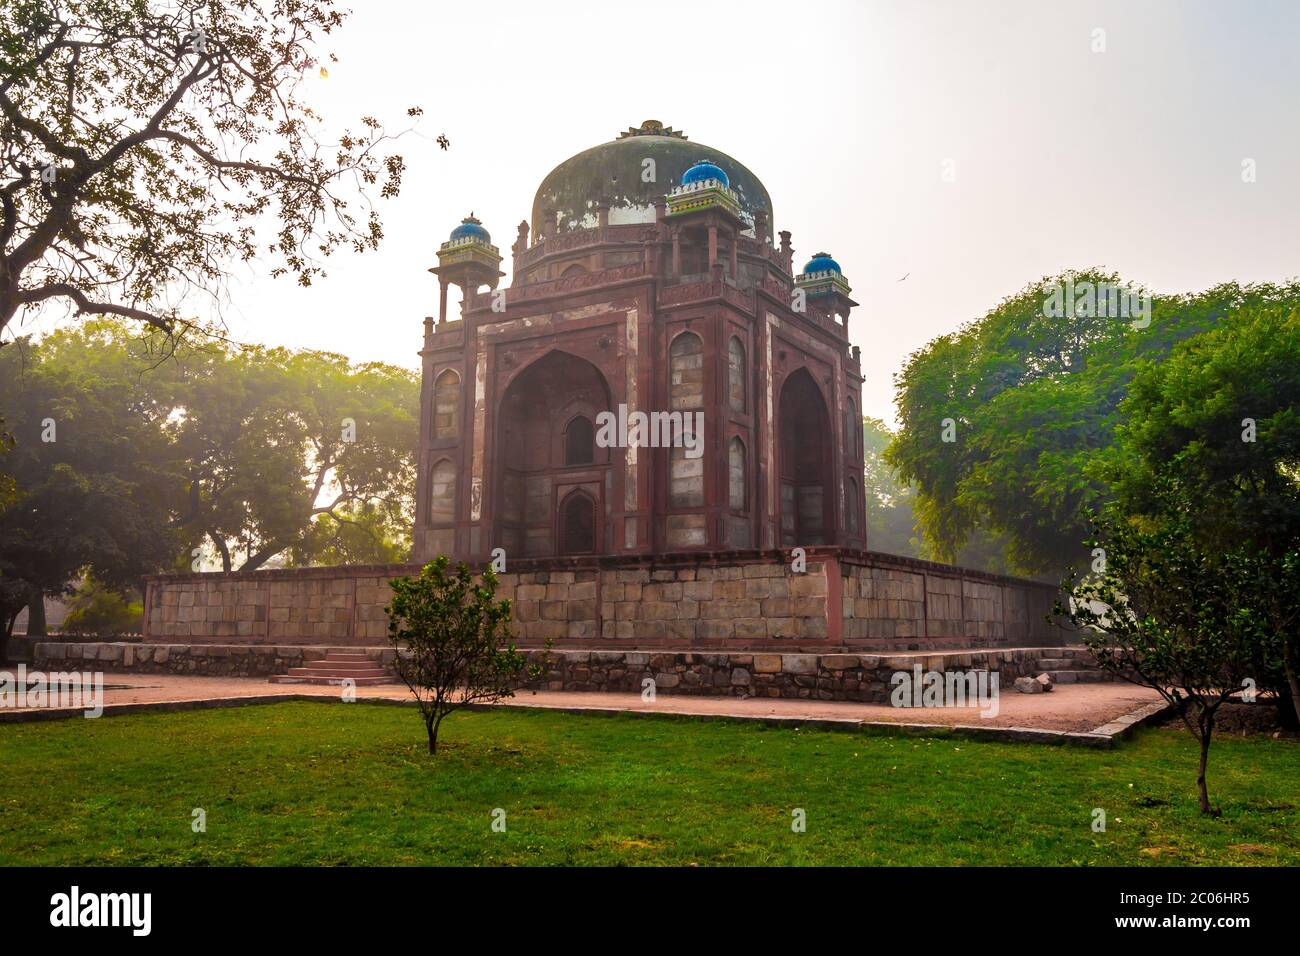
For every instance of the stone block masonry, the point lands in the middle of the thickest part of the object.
(737, 600)
(853, 677)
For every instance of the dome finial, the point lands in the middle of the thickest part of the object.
(651, 127)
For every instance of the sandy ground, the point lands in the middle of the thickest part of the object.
(1069, 707)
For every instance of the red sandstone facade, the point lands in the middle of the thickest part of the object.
(659, 297)
(653, 286)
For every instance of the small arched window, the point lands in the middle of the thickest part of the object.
(685, 394)
(577, 524)
(736, 375)
(446, 405)
(442, 493)
(738, 490)
(579, 442)
(686, 370)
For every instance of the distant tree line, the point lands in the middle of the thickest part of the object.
(135, 452)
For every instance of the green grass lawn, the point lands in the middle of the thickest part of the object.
(307, 783)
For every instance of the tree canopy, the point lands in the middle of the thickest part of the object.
(1002, 422)
(132, 450)
(146, 147)
(891, 522)
(1211, 442)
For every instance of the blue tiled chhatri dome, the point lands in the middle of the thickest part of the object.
(703, 171)
(470, 228)
(822, 262)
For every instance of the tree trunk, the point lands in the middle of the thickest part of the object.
(255, 561)
(36, 615)
(222, 549)
(433, 733)
(1205, 725)
(1292, 677)
(431, 727)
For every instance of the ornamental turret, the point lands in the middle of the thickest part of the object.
(467, 260)
(825, 288)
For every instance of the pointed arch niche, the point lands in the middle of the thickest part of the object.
(804, 431)
(545, 450)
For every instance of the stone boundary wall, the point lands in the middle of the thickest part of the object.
(854, 677)
(900, 608)
(744, 600)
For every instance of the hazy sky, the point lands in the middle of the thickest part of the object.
(1130, 159)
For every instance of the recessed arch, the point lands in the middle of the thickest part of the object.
(546, 410)
(737, 476)
(804, 431)
(442, 492)
(685, 343)
(686, 395)
(851, 507)
(736, 376)
(852, 429)
(446, 404)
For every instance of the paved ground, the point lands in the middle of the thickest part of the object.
(1069, 708)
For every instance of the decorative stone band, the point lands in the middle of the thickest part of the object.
(702, 195)
(822, 282)
(468, 242)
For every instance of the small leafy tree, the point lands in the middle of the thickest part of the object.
(100, 611)
(1169, 614)
(453, 641)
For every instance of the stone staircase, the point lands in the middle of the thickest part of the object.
(335, 668)
(1071, 665)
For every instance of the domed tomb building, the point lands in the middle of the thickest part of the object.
(649, 284)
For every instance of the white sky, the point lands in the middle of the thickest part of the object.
(1128, 159)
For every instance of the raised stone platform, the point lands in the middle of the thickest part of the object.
(855, 677)
(737, 600)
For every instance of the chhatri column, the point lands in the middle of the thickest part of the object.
(442, 301)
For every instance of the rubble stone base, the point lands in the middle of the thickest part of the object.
(856, 677)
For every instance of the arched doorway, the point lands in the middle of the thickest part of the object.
(545, 453)
(804, 428)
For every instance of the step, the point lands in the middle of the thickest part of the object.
(331, 681)
(347, 656)
(1078, 677)
(1066, 663)
(335, 675)
(342, 670)
(329, 664)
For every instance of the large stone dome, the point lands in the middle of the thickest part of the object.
(613, 171)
